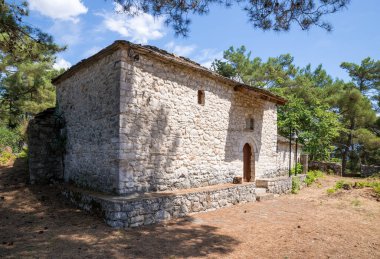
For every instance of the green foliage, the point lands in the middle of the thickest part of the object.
(6, 157)
(356, 115)
(332, 118)
(9, 138)
(336, 160)
(339, 184)
(239, 65)
(376, 189)
(23, 154)
(20, 41)
(299, 168)
(273, 15)
(296, 185)
(331, 190)
(26, 92)
(312, 176)
(365, 77)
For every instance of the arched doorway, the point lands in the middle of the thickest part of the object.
(247, 156)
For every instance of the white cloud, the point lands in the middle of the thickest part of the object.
(139, 28)
(59, 9)
(61, 63)
(181, 50)
(207, 56)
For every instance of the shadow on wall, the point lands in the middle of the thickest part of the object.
(36, 221)
(243, 108)
(155, 147)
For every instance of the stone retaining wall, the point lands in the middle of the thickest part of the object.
(125, 212)
(280, 185)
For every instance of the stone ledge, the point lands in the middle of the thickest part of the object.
(279, 185)
(149, 208)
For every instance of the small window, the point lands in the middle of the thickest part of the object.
(250, 124)
(201, 97)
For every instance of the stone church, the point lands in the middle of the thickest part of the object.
(140, 120)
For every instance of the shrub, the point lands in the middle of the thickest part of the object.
(377, 190)
(295, 185)
(24, 153)
(312, 176)
(299, 169)
(339, 184)
(336, 160)
(9, 138)
(331, 190)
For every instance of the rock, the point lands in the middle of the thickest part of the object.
(238, 180)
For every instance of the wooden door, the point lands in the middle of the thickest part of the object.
(247, 154)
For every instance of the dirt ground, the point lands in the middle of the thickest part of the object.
(37, 222)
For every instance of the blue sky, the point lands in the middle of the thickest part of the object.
(90, 25)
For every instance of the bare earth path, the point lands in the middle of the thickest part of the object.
(36, 222)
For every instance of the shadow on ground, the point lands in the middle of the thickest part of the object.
(36, 221)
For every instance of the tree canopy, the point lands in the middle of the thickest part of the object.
(333, 118)
(277, 15)
(21, 41)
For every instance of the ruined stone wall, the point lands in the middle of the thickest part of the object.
(169, 141)
(89, 102)
(328, 167)
(45, 148)
(368, 170)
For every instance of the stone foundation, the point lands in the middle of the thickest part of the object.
(144, 209)
(280, 185)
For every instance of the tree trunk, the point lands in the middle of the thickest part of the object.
(347, 147)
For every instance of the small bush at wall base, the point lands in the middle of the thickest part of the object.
(23, 154)
(312, 176)
(296, 185)
(299, 168)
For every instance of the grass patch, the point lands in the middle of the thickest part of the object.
(312, 176)
(341, 184)
(331, 190)
(355, 202)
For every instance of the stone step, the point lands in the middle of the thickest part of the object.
(260, 190)
(264, 196)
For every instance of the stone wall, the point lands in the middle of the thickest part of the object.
(328, 167)
(89, 101)
(134, 125)
(280, 185)
(368, 170)
(45, 145)
(169, 141)
(126, 213)
(283, 158)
